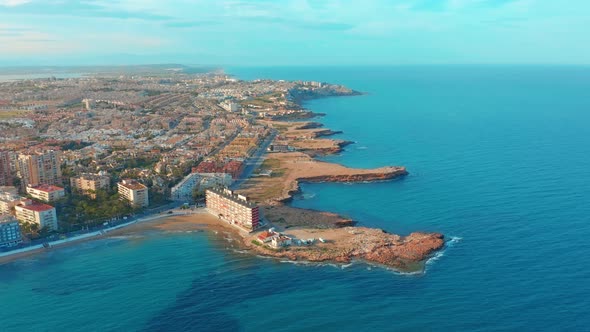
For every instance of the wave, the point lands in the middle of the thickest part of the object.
(126, 237)
(308, 196)
(186, 232)
(361, 147)
(439, 254)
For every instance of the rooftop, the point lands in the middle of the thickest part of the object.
(90, 176)
(46, 188)
(233, 197)
(132, 184)
(37, 207)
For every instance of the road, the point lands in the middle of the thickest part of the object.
(254, 162)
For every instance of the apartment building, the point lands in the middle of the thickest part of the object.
(88, 183)
(134, 192)
(8, 201)
(46, 193)
(10, 234)
(39, 168)
(183, 191)
(235, 209)
(37, 213)
(5, 169)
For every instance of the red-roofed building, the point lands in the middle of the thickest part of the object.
(266, 236)
(36, 213)
(46, 192)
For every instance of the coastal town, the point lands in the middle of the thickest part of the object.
(88, 154)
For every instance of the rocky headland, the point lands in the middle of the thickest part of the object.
(342, 241)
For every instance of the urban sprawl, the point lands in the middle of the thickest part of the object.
(86, 153)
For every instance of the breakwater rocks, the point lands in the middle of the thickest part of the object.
(336, 147)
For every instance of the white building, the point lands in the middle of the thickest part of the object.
(88, 183)
(36, 213)
(230, 106)
(46, 193)
(183, 191)
(134, 192)
(281, 241)
(8, 201)
(10, 234)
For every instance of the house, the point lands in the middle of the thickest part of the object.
(281, 241)
(266, 237)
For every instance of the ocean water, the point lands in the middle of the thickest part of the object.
(499, 161)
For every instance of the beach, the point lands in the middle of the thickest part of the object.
(179, 221)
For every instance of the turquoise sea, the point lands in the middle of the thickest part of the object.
(499, 161)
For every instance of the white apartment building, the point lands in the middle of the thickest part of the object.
(46, 193)
(8, 201)
(36, 213)
(134, 192)
(183, 191)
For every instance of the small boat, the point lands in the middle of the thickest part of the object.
(322, 240)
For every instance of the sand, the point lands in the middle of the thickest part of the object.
(196, 221)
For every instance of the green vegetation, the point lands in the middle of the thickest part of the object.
(275, 166)
(72, 145)
(79, 211)
(151, 93)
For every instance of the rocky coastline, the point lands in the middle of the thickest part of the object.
(404, 253)
(342, 240)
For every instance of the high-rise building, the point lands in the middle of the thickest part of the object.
(235, 209)
(88, 184)
(5, 169)
(134, 192)
(37, 213)
(46, 193)
(10, 234)
(39, 168)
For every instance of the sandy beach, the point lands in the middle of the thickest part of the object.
(178, 222)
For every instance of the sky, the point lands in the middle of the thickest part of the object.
(294, 32)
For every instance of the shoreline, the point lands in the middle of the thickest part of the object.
(9, 256)
(339, 240)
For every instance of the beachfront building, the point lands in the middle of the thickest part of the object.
(134, 192)
(10, 234)
(235, 209)
(200, 182)
(266, 236)
(41, 167)
(88, 183)
(46, 193)
(8, 200)
(36, 213)
(281, 241)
